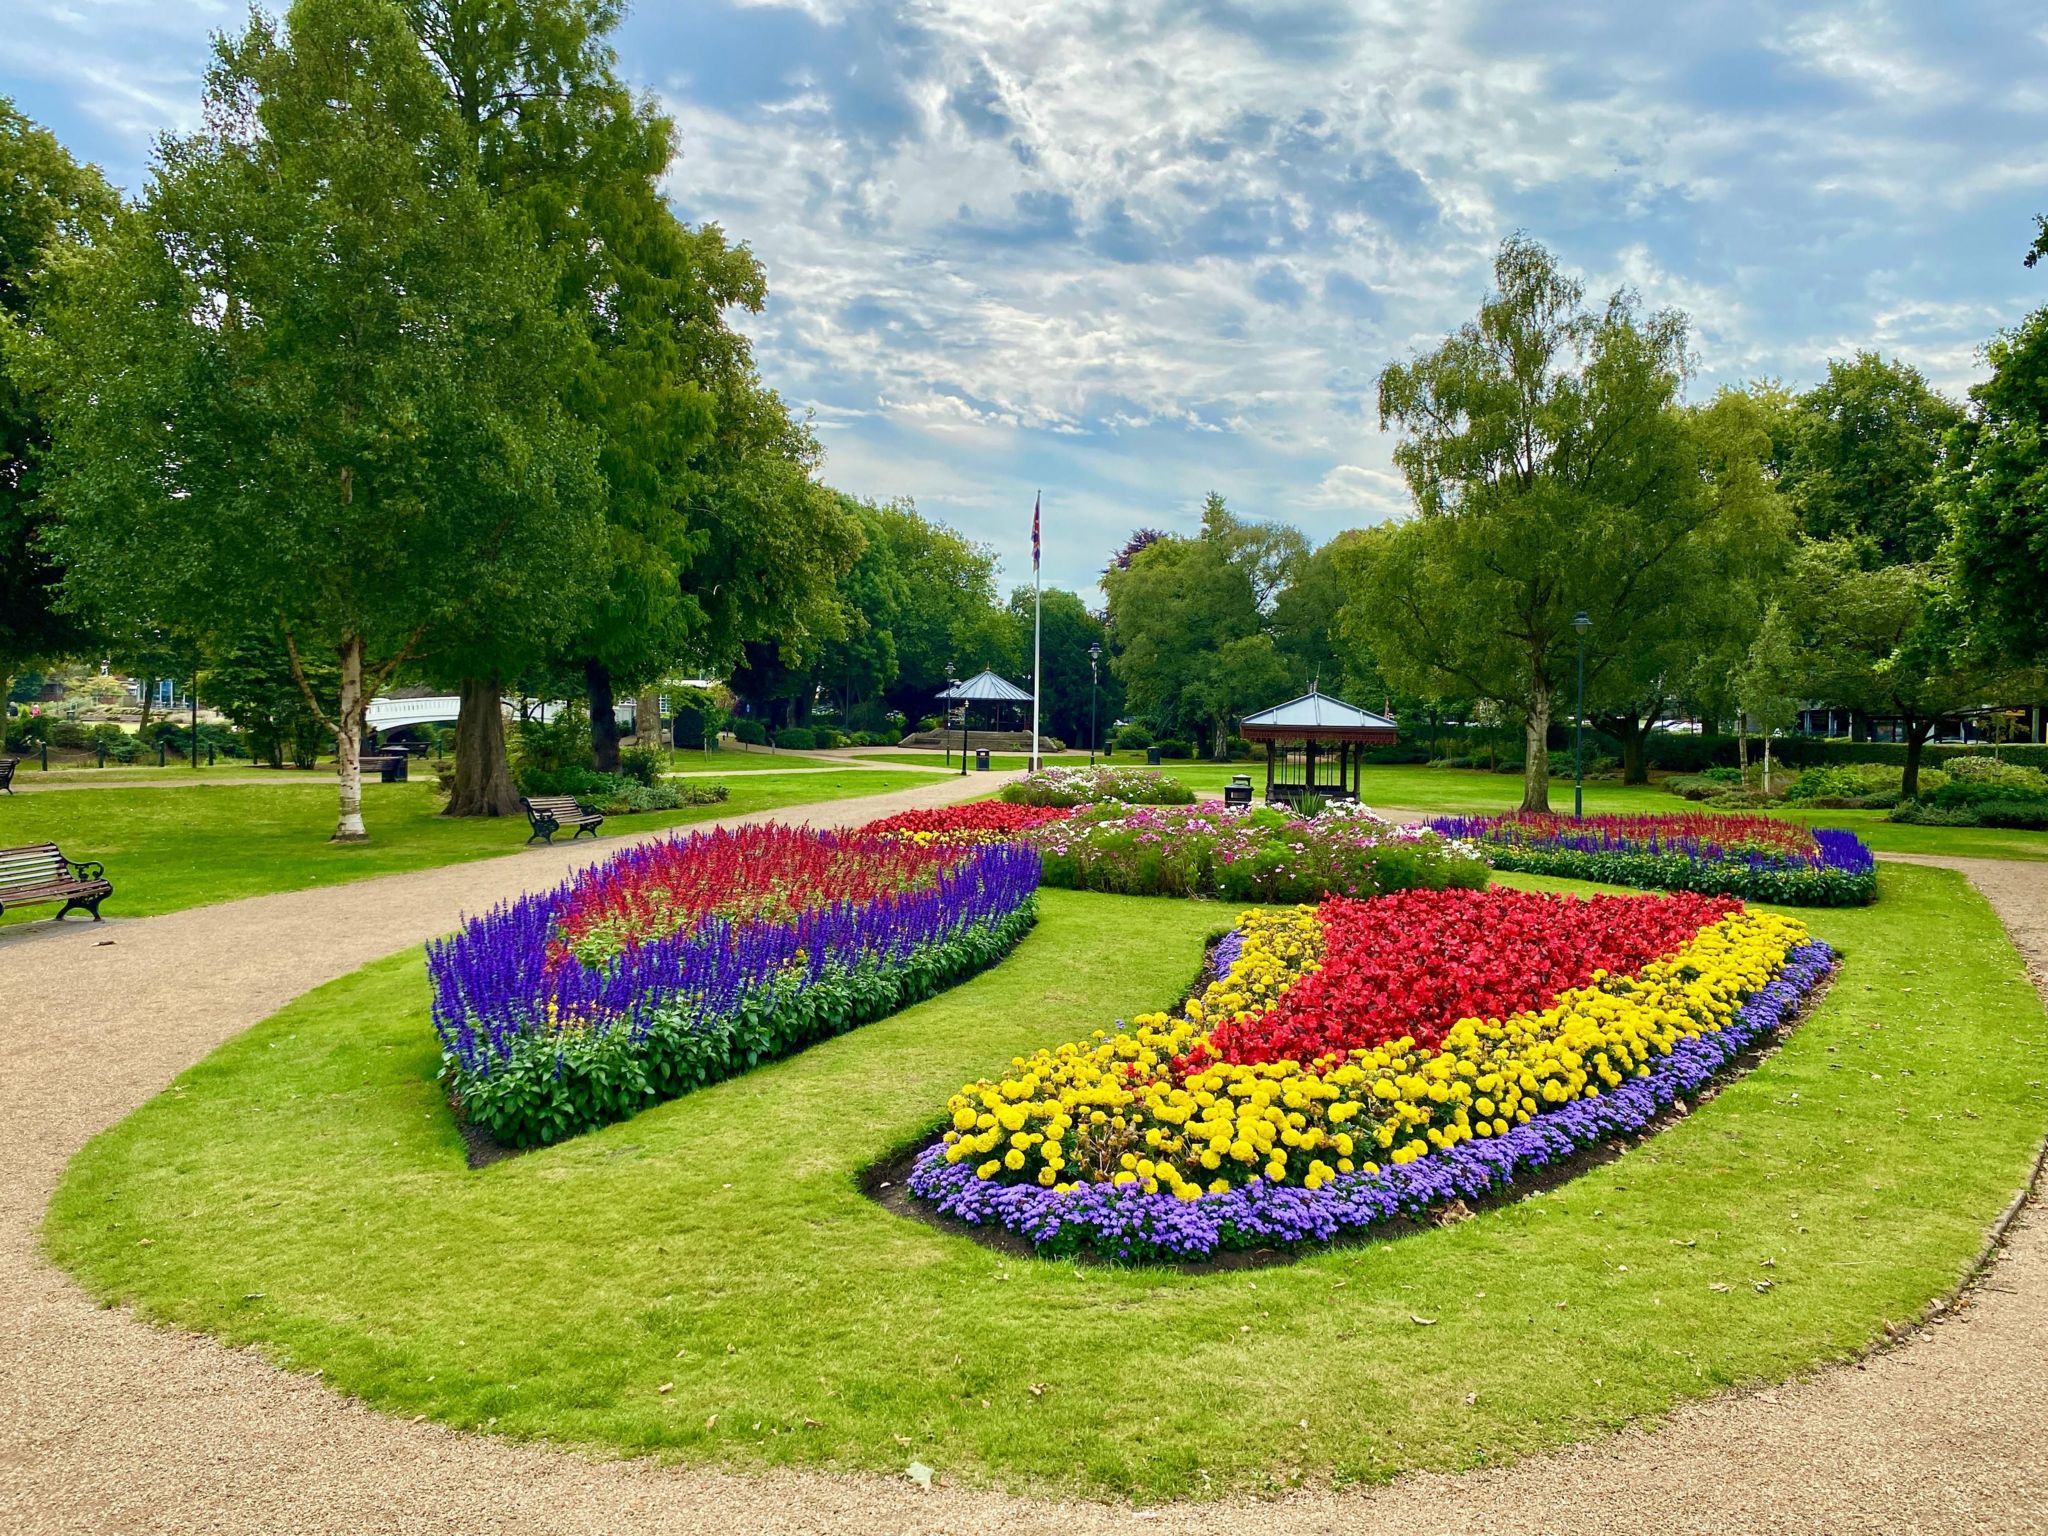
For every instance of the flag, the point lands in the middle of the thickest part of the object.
(1034, 530)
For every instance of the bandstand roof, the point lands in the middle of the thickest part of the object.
(1316, 716)
(986, 688)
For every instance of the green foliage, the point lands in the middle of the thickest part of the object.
(551, 746)
(1553, 472)
(640, 764)
(52, 209)
(1997, 495)
(796, 738)
(1133, 737)
(1889, 641)
(1862, 458)
(750, 731)
(338, 368)
(1175, 751)
(1875, 786)
(250, 681)
(1193, 620)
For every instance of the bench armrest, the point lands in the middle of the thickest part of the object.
(87, 869)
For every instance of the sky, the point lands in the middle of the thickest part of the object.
(1124, 252)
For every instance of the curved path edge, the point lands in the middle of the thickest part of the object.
(110, 1424)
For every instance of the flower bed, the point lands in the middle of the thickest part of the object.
(979, 821)
(1094, 786)
(1269, 854)
(1760, 858)
(1185, 1135)
(683, 962)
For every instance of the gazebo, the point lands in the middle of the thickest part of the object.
(1315, 745)
(983, 688)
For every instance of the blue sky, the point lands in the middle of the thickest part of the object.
(1127, 251)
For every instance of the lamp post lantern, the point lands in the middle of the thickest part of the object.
(1581, 623)
(1094, 677)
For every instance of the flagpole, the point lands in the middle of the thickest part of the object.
(1037, 616)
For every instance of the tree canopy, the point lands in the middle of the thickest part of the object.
(1554, 472)
(49, 205)
(312, 384)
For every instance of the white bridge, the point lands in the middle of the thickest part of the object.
(386, 714)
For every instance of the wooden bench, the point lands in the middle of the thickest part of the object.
(553, 813)
(40, 873)
(7, 767)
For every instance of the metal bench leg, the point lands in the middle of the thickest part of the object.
(89, 904)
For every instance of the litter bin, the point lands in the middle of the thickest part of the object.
(981, 759)
(1152, 757)
(1239, 790)
(392, 769)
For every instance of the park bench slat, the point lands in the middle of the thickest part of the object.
(39, 872)
(550, 814)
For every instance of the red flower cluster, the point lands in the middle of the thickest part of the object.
(1416, 962)
(980, 821)
(769, 872)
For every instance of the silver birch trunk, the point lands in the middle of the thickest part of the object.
(348, 744)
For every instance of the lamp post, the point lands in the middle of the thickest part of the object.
(1581, 623)
(1094, 676)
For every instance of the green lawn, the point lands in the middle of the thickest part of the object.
(166, 849)
(1468, 791)
(706, 1282)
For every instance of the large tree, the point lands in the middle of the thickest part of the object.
(1066, 631)
(1890, 641)
(1553, 472)
(1864, 450)
(49, 203)
(1193, 619)
(311, 385)
(1695, 615)
(565, 151)
(1997, 495)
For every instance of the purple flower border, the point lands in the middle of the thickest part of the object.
(1124, 1224)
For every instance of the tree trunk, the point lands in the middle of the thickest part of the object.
(647, 720)
(1917, 732)
(1536, 746)
(1633, 732)
(142, 725)
(604, 717)
(348, 741)
(1742, 747)
(483, 773)
(1767, 762)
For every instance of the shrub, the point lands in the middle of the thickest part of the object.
(750, 731)
(551, 746)
(1857, 786)
(1133, 737)
(826, 736)
(1237, 748)
(640, 764)
(796, 738)
(1172, 749)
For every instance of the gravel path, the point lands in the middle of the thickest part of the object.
(109, 1424)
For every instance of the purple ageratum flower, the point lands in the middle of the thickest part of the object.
(1123, 1223)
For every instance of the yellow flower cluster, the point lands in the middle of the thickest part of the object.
(1116, 1108)
(1278, 949)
